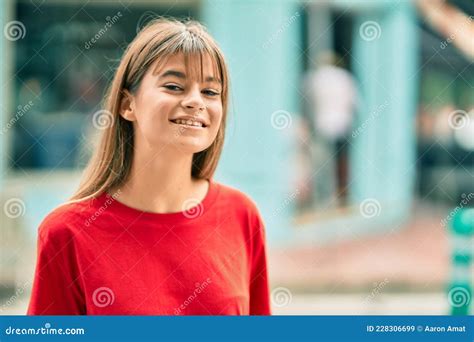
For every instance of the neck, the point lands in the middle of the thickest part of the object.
(161, 182)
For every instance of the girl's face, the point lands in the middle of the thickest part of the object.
(173, 109)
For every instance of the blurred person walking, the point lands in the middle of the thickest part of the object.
(331, 101)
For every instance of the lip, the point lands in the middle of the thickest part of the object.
(204, 123)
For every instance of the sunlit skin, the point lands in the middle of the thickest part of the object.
(160, 178)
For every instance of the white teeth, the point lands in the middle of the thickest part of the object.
(188, 123)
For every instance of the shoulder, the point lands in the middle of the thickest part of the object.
(242, 205)
(238, 198)
(65, 221)
(248, 213)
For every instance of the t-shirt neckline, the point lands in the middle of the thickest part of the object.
(194, 208)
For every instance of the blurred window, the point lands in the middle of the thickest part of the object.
(61, 68)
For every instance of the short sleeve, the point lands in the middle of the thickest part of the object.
(56, 286)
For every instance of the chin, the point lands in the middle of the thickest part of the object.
(191, 148)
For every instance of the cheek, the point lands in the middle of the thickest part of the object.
(152, 120)
(154, 109)
(216, 114)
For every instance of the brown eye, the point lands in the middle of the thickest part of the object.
(173, 87)
(210, 92)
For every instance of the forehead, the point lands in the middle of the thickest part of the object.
(194, 66)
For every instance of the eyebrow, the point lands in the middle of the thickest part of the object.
(182, 75)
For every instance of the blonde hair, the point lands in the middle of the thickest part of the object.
(161, 38)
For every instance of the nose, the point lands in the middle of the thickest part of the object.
(193, 100)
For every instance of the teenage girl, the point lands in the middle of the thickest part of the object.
(149, 232)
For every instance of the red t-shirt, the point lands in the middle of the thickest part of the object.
(101, 257)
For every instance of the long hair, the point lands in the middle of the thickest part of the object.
(111, 163)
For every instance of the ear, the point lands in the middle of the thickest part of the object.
(127, 106)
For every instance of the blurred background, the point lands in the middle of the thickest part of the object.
(351, 125)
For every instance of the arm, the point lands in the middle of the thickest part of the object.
(56, 289)
(452, 23)
(259, 288)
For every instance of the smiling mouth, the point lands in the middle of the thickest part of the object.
(188, 123)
